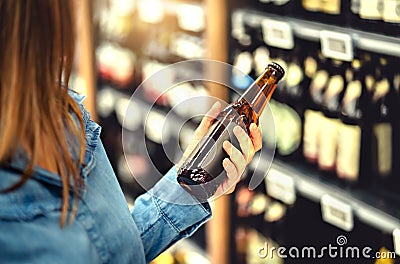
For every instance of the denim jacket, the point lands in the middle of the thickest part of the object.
(104, 230)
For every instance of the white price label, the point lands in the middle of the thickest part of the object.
(336, 45)
(280, 186)
(238, 30)
(277, 34)
(396, 241)
(337, 213)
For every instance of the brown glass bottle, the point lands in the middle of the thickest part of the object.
(202, 172)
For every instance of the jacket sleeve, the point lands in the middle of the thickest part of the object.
(166, 214)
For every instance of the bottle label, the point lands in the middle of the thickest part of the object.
(348, 157)
(328, 143)
(312, 5)
(391, 11)
(268, 124)
(383, 134)
(371, 9)
(288, 130)
(331, 6)
(312, 127)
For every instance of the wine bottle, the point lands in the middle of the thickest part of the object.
(351, 128)
(382, 96)
(396, 129)
(313, 115)
(330, 105)
(202, 171)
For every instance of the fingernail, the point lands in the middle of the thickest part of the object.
(225, 144)
(238, 131)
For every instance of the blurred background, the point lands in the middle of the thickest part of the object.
(336, 169)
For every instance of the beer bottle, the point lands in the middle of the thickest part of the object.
(352, 129)
(313, 117)
(382, 131)
(330, 122)
(202, 171)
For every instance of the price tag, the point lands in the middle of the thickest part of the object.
(337, 213)
(237, 25)
(396, 241)
(277, 34)
(280, 186)
(336, 45)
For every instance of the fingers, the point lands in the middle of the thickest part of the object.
(256, 136)
(230, 168)
(237, 162)
(236, 157)
(208, 119)
(246, 145)
(249, 144)
(232, 176)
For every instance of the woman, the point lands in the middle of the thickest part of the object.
(60, 199)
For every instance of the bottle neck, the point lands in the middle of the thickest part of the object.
(260, 91)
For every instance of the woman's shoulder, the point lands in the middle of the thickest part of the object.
(79, 98)
(92, 129)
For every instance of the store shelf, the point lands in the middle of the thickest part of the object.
(368, 208)
(312, 31)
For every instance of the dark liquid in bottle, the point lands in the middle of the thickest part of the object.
(209, 153)
(203, 172)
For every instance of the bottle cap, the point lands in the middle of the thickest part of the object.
(280, 71)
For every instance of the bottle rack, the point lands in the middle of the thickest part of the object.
(301, 182)
(288, 27)
(341, 206)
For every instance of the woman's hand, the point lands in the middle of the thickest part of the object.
(238, 159)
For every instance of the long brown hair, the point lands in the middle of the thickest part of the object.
(37, 40)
